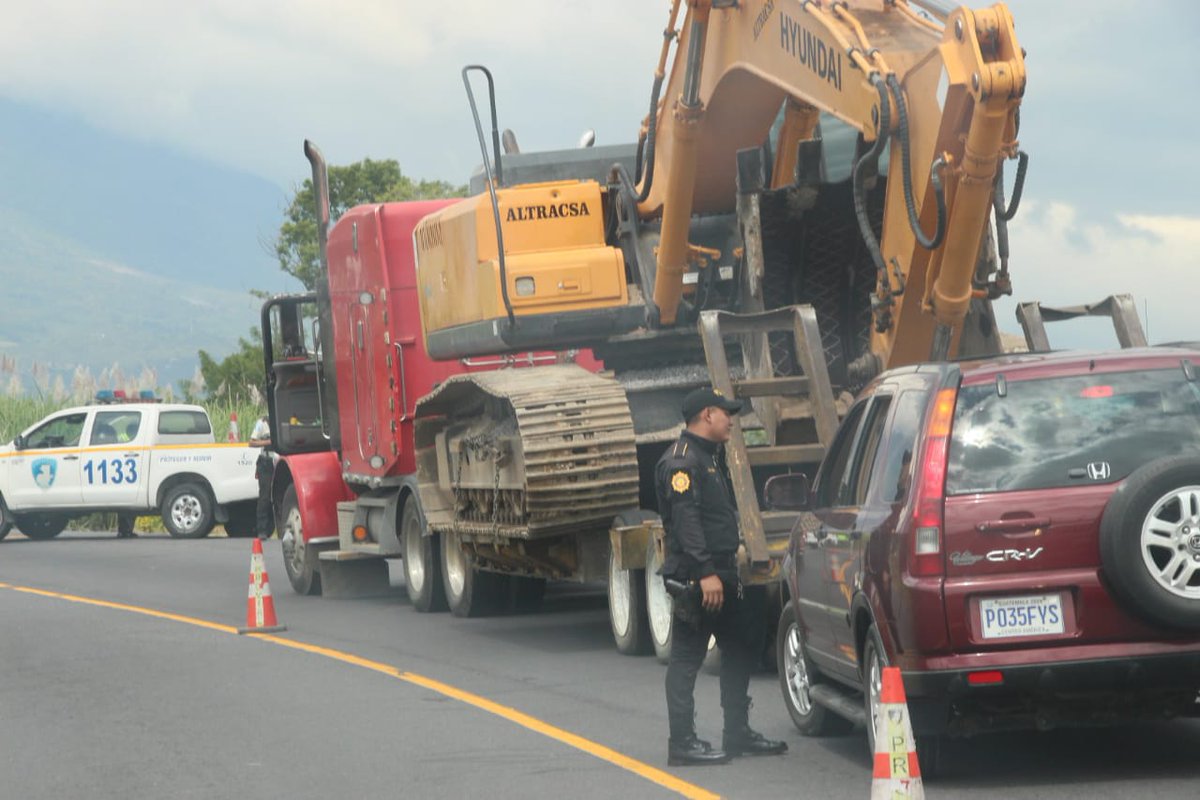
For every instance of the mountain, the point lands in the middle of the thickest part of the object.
(112, 250)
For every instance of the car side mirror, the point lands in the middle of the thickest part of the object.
(787, 492)
(19, 442)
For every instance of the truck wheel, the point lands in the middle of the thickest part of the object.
(422, 562)
(470, 592)
(187, 511)
(41, 526)
(627, 609)
(526, 594)
(797, 676)
(1150, 542)
(242, 520)
(299, 559)
(660, 609)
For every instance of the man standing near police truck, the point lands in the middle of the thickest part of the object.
(700, 521)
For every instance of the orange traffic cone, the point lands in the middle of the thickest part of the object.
(897, 773)
(260, 606)
(233, 427)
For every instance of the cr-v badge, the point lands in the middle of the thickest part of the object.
(966, 558)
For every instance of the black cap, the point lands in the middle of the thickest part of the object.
(699, 399)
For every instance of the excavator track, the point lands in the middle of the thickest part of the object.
(526, 453)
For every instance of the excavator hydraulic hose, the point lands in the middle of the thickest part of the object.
(871, 159)
(914, 221)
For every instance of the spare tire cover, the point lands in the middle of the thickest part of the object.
(1150, 542)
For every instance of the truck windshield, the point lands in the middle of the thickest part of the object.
(1070, 431)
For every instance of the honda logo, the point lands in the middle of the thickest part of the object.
(1099, 470)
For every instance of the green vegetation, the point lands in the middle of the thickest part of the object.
(366, 181)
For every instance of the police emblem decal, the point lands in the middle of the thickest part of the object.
(680, 482)
(45, 470)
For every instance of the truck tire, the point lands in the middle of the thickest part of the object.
(300, 560)
(422, 561)
(470, 592)
(41, 526)
(525, 594)
(242, 522)
(627, 609)
(187, 511)
(797, 676)
(660, 608)
(1150, 542)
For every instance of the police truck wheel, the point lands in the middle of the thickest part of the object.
(797, 677)
(470, 592)
(41, 526)
(422, 561)
(660, 610)
(6, 520)
(187, 511)
(300, 560)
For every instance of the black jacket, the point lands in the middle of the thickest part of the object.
(699, 514)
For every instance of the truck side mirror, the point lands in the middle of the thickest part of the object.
(787, 492)
(19, 442)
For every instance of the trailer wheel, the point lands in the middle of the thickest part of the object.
(525, 594)
(660, 609)
(187, 511)
(627, 598)
(299, 559)
(422, 561)
(470, 592)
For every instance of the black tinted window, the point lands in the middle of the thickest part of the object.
(1070, 431)
(902, 447)
(832, 476)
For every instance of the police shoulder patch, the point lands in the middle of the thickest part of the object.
(680, 482)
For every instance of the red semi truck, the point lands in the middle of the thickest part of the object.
(345, 367)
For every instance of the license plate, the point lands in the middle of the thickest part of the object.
(1034, 615)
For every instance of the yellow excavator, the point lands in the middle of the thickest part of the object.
(816, 194)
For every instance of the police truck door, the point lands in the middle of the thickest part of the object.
(113, 469)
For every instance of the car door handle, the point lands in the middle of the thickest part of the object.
(1018, 525)
(70, 458)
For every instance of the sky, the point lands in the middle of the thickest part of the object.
(1109, 116)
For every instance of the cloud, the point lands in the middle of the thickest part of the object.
(1061, 257)
(242, 83)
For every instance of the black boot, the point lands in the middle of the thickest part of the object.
(748, 742)
(693, 751)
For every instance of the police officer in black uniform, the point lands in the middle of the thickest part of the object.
(700, 518)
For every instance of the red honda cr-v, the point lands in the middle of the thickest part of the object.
(1021, 536)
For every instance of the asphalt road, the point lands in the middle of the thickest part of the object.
(367, 698)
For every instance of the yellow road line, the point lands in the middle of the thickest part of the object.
(639, 768)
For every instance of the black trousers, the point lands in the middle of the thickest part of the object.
(264, 513)
(740, 630)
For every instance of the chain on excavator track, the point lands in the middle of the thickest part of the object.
(577, 463)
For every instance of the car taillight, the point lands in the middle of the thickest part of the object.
(926, 559)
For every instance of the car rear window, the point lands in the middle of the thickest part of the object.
(1069, 431)
(184, 422)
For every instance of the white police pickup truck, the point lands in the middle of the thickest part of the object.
(139, 458)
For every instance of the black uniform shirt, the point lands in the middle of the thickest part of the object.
(697, 507)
